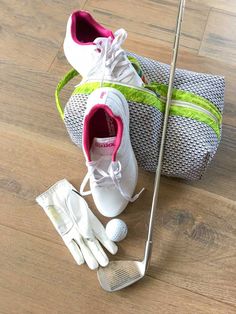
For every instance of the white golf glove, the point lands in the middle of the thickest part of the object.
(77, 225)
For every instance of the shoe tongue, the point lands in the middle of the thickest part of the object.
(134, 78)
(103, 146)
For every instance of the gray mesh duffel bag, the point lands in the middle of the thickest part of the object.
(194, 125)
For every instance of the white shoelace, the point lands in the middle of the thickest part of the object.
(112, 56)
(102, 178)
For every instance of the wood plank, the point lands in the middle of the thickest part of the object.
(219, 40)
(146, 19)
(27, 100)
(218, 174)
(42, 278)
(194, 229)
(226, 5)
(32, 31)
(28, 168)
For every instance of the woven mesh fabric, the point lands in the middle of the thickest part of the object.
(73, 117)
(190, 145)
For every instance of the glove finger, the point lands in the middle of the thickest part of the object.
(75, 251)
(97, 251)
(107, 243)
(87, 254)
(101, 235)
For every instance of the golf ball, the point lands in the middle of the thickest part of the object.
(116, 230)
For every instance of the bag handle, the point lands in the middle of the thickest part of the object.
(72, 73)
(66, 79)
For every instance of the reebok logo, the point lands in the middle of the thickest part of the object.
(102, 95)
(104, 145)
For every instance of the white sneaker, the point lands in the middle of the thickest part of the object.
(95, 52)
(112, 167)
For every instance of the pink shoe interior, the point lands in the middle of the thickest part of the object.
(85, 29)
(101, 123)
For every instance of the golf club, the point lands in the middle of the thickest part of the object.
(120, 274)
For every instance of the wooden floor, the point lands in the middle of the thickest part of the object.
(193, 269)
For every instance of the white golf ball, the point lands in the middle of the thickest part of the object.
(116, 230)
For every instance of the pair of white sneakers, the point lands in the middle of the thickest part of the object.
(96, 53)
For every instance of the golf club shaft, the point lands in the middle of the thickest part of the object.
(148, 248)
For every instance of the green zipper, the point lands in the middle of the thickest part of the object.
(184, 103)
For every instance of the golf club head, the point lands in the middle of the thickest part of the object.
(120, 274)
